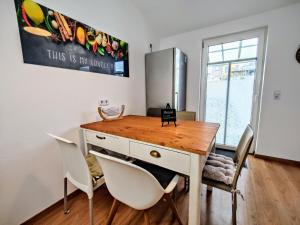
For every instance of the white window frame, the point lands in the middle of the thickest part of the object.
(261, 34)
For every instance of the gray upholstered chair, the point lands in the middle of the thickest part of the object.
(242, 151)
(184, 115)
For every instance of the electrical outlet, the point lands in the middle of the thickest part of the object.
(103, 102)
(277, 94)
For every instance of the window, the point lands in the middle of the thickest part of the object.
(244, 49)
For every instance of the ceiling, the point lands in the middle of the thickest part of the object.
(168, 17)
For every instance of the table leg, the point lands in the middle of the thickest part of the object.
(197, 164)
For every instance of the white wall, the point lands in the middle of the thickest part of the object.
(280, 120)
(35, 100)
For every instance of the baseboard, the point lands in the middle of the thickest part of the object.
(285, 161)
(55, 205)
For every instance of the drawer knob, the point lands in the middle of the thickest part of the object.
(101, 138)
(155, 154)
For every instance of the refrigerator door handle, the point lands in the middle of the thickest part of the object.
(176, 101)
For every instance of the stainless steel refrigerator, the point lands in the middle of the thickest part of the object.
(166, 79)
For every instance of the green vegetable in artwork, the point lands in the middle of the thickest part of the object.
(101, 51)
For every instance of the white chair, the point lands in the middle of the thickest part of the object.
(77, 172)
(134, 186)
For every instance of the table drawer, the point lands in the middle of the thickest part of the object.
(172, 160)
(113, 143)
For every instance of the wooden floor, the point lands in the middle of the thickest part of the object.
(271, 191)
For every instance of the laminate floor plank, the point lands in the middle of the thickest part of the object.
(271, 191)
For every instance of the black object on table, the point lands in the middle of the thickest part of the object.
(168, 115)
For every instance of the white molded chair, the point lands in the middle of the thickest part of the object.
(77, 172)
(134, 186)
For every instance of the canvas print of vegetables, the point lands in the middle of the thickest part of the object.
(50, 38)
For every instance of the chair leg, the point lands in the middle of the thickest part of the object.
(112, 212)
(66, 210)
(209, 188)
(174, 209)
(214, 148)
(234, 208)
(186, 184)
(174, 195)
(146, 218)
(91, 214)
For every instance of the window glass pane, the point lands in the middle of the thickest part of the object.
(231, 54)
(243, 49)
(240, 100)
(248, 52)
(217, 77)
(231, 45)
(214, 48)
(215, 57)
(252, 41)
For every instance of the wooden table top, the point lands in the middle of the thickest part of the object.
(190, 136)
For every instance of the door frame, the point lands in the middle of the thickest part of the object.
(261, 34)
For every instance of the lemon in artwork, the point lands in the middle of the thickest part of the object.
(34, 11)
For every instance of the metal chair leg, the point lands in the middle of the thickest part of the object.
(209, 188)
(66, 210)
(234, 208)
(91, 214)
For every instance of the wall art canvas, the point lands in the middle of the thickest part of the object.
(50, 38)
